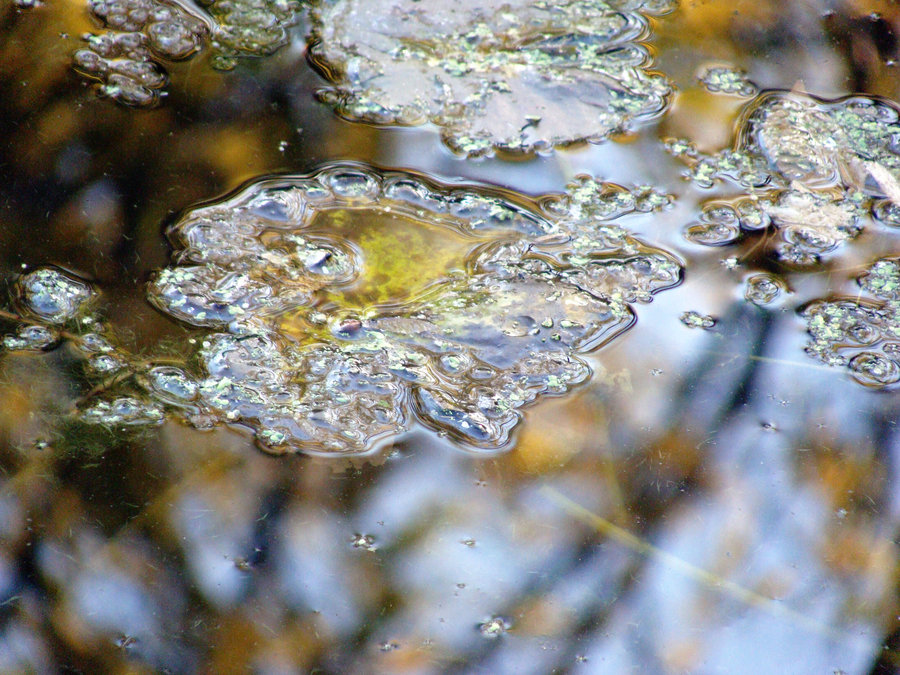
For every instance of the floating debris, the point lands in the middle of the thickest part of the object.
(727, 80)
(861, 334)
(518, 76)
(365, 542)
(693, 319)
(812, 170)
(344, 303)
(494, 627)
(51, 295)
(128, 59)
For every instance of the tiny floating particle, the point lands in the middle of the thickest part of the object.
(693, 319)
(365, 542)
(509, 75)
(494, 627)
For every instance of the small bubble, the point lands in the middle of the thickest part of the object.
(763, 289)
(712, 234)
(389, 646)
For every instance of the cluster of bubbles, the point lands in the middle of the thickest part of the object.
(53, 305)
(861, 334)
(520, 76)
(727, 80)
(811, 169)
(126, 59)
(290, 358)
(249, 28)
(694, 319)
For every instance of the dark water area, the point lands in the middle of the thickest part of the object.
(720, 495)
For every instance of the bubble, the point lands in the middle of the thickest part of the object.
(882, 279)
(105, 364)
(712, 234)
(141, 34)
(874, 369)
(763, 289)
(887, 211)
(172, 384)
(51, 295)
(31, 338)
(693, 319)
(860, 334)
(94, 343)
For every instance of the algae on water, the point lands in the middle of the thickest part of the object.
(516, 75)
(861, 333)
(142, 34)
(809, 168)
(317, 350)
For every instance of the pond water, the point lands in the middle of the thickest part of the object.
(426, 337)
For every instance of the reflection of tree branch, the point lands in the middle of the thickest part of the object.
(701, 576)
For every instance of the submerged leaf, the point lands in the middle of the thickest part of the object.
(518, 75)
(319, 345)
